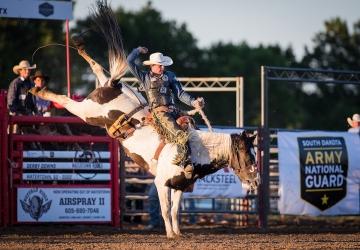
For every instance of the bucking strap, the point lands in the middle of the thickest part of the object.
(159, 149)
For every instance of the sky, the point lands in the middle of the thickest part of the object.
(285, 22)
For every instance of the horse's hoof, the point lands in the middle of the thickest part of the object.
(171, 236)
(78, 41)
(179, 182)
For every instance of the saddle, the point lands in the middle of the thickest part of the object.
(183, 120)
(122, 127)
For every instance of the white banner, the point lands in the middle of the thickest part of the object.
(319, 173)
(36, 9)
(222, 184)
(66, 177)
(67, 154)
(64, 204)
(66, 165)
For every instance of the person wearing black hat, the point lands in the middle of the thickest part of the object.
(42, 106)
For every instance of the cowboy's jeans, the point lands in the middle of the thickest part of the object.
(168, 121)
(154, 206)
(172, 132)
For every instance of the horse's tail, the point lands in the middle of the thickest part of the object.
(106, 21)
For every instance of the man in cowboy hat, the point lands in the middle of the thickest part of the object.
(161, 86)
(19, 101)
(42, 106)
(354, 123)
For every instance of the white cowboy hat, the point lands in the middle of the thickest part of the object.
(24, 64)
(355, 118)
(158, 58)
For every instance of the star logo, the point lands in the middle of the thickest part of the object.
(324, 200)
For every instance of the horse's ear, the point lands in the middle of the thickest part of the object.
(248, 135)
(252, 138)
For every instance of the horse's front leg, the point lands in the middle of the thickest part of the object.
(175, 198)
(163, 192)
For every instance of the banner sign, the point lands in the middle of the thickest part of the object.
(319, 173)
(222, 184)
(67, 154)
(67, 165)
(64, 204)
(78, 176)
(323, 170)
(36, 9)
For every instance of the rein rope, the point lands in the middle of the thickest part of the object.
(58, 44)
(203, 116)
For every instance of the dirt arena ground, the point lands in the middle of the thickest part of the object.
(295, 234)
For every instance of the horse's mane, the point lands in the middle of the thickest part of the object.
(209, 146)
(133, 94)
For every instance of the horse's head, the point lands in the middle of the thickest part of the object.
(243, 159)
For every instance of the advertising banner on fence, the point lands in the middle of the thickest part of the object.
(319, 173)
(222, 184)
(63, 204)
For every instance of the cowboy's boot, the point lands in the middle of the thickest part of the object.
(179, 182)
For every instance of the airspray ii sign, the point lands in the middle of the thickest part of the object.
(36, 9)
(64, 204)
(323, 170)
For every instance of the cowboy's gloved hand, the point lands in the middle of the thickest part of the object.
(143, 50)
(199, 103)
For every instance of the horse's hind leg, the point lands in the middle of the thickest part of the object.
(50, 96)
(96, 68)
(163, 193)
(175, 198)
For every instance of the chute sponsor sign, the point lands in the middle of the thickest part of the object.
(63, 204)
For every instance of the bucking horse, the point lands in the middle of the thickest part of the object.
(114, 103)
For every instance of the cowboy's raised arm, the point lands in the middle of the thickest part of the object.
(134, 68)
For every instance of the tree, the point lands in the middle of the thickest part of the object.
(334, 48)
(19, 38)
(144, 28)
(242, 60)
